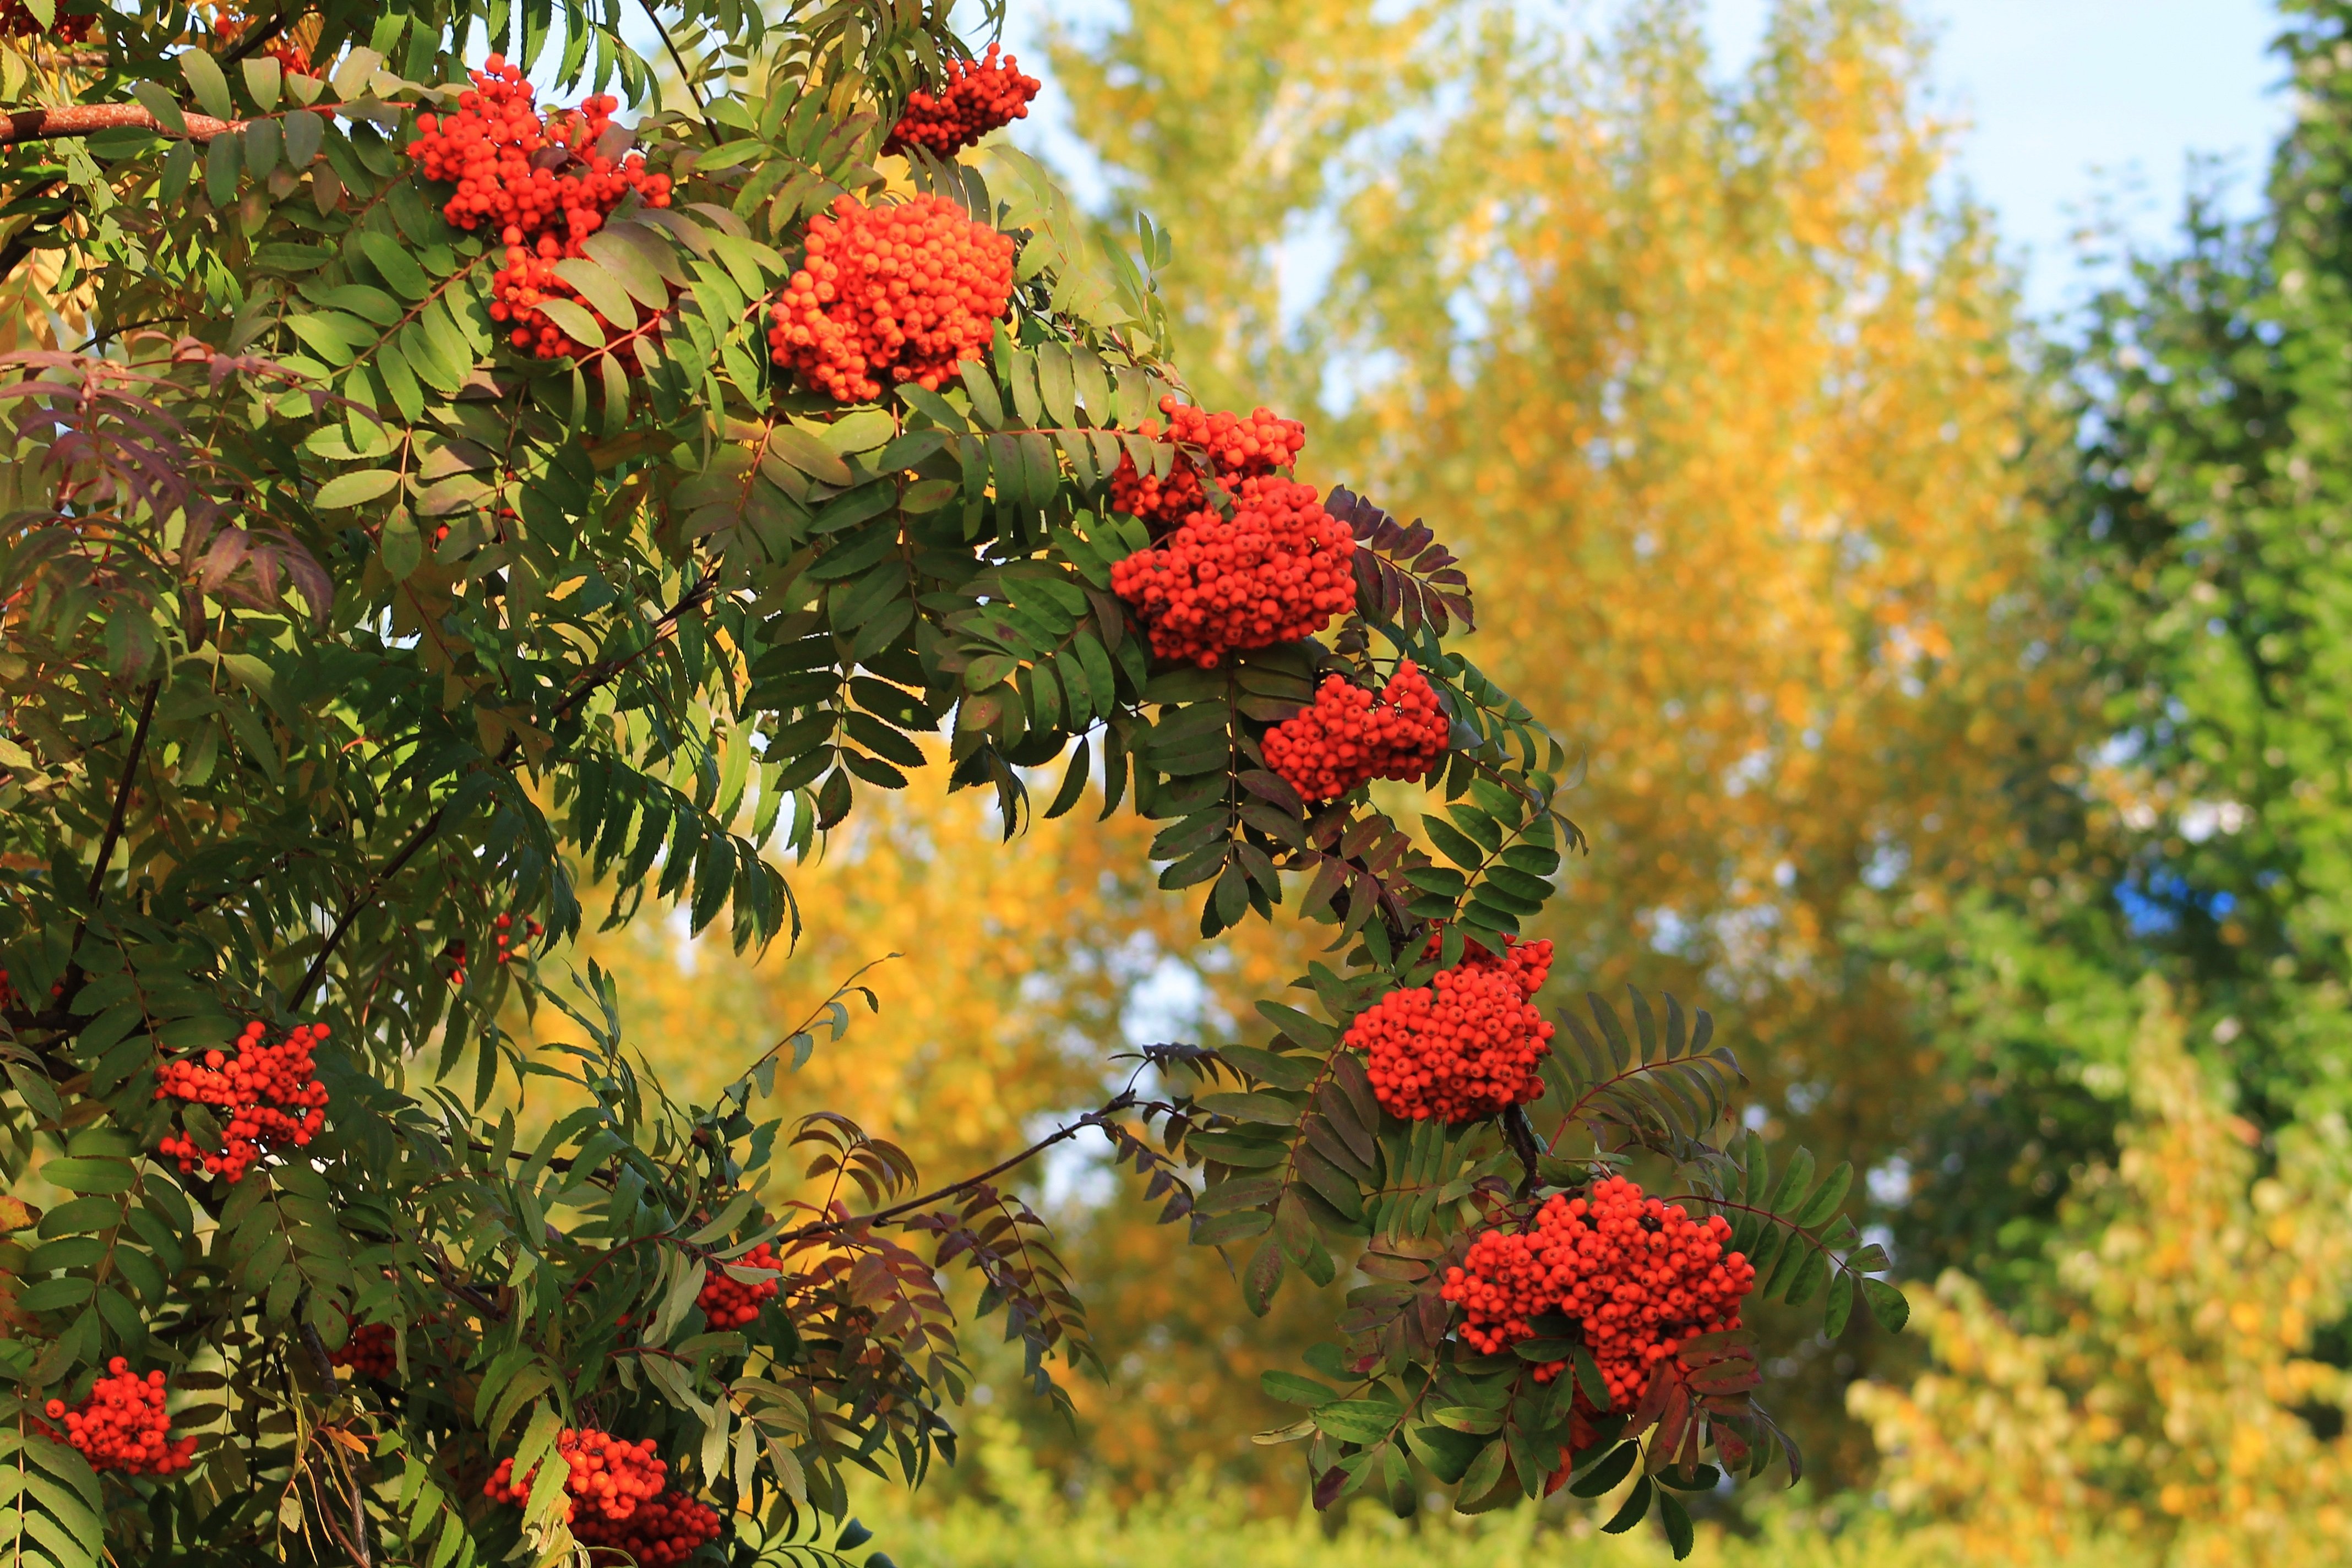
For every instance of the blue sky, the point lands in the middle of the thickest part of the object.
(2064, 99)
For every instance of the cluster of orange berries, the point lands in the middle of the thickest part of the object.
(539, 181)
(619, 1498)
(1274, 572)
(370, 1351)
(1238, 448)
(666, 1528)
(11, 1000)
(1349, 736)
(268, 1091)
(229, 25)
(122, 1424)
(728, 1302)
(1464, 1046)
(509, 947)
(18, 21)
(977, 97)
(898, 293)
(1640, 1276)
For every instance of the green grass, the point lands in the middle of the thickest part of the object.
(1028, 1525)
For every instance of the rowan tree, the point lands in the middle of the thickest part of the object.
(435, 503)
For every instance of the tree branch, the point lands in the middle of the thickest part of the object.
(90, 118)
(352, 909)
(122, 790)
(585, 682)
(1124, 1102)
(665, 627)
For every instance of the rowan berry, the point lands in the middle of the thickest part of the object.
(122, 1424)
(900, 293)
(1639, 1278)
(509, 947)
(728, 1302)
(1464, 1046)
(610, 1479)
(371, 1350)
(665, 1528)
(977, 97)
(266, 1091)
(1349, 736)
(18, 21)
(229, 25)
(543, 185)
(1275, 571)
(1238, 448)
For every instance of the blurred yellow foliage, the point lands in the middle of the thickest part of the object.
(1015, 966)
(2172, 1400)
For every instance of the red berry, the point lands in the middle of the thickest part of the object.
(544, 188)
(268, 1091)
(1640, 1276)
(122, 1424)
(1347, 736)
(1466, 1045)
(1274, 572)
(977, 97)
(370, 1351)
(619, 1499)
(727, 1303)
(18, 21)
(891, 294)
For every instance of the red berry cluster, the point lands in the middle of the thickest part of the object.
(539, 181)
(1639, 1276)
(1466, 1044)
(666, 1528)
(370, 1351)
(509, 947)
(18, 21)
(610, 1476)
(11, 1000)
(1237, 449)
(230, 25)
(979, 96)
(727, 1303)
(122, 1426)
(897, 293)
(1349, 736)
(1273, 573)
(268, 1091)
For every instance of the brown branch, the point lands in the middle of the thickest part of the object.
(1125, 1101)
(665, 627)
(90, 119)
(352, 909)
(122, 790)
(254, 36)
(587, 681)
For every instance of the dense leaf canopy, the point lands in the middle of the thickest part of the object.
(420, 510)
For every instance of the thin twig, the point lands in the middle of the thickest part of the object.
(1125, 1101)
(122, 790)
(352, 909)
(685, 77)
(664, 626)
